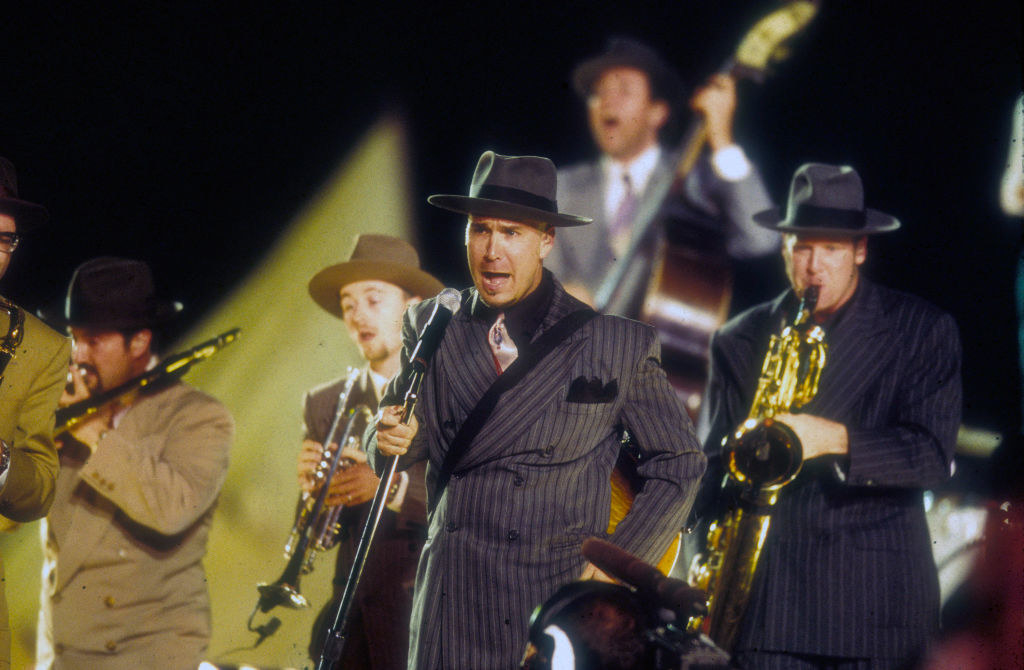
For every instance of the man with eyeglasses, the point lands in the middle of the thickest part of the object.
(33, 364)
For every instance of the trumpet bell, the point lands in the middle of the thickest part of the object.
(279, 593)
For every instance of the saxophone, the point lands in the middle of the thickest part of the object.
(15, 333)
(761, 457)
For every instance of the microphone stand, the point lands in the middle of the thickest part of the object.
(337, 633)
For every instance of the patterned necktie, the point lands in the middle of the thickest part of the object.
(621, 227)
(502, 347)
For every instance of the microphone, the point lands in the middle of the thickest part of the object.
(673, 594)
(447, 304)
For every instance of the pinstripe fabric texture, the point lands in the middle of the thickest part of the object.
(848, 568)
(507, 530)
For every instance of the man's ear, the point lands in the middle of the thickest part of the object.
(139, 343)
(547, 241)
(860, 250)
(658, 114)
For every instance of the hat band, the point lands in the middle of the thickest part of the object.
(812, 216)
(517, 196)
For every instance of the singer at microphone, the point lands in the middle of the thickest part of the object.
(519, 417)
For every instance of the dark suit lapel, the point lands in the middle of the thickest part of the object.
(858, 353)
(469, 359)
(521, 406)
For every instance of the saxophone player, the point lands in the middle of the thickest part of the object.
(846, 578)
(370, 293)
(33, 361)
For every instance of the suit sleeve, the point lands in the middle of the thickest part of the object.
(914, 446)
(671, 462)
(168, 479)
(393, 396)
(734, 202)
(32, 472)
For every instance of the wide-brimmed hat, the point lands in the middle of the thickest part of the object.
(116, 294)
(827, 200)
(380, 257)
(25, 214)
(625, 52)
(518, 188)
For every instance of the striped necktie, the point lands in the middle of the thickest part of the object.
(621, 227)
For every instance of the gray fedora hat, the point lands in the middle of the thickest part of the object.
(25, 214)
(827, 200)
(518, 188)
(380, 257)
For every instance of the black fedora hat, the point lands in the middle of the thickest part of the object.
(518, 188)
(114, 293)
(25, 214)
(626, 52)
(827, 200)
(380, 257)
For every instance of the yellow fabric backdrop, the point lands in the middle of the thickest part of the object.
(287, 345)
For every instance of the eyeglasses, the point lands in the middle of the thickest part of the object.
(9, 242)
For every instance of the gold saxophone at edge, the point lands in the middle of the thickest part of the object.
(316, 524)
(15, 334)
(173, 367)
(761, 456)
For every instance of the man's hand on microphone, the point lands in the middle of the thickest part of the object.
(393, 436)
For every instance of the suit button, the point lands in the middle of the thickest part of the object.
(457, 476)
(58, 648)
(109, 601)
(513, 535)
(547, 451)
(518, 481)
(448, 425)
(111, 645)
(450, 527)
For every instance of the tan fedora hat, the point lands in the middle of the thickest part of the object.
(380, 257)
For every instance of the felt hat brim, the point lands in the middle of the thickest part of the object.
(464, 204)
(325, 286)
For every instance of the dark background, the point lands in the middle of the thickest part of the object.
(189, 134)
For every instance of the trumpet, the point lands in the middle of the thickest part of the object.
(762, 457)
(169, 369)
(317, 524)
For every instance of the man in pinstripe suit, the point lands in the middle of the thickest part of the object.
(531, 480)
(847, 578)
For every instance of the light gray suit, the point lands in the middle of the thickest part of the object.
(123, 582)
(584, 254)
(534, 483)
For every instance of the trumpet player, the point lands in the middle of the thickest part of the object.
(123, 582)
(32, 361)
(846, 578)
(369, 293)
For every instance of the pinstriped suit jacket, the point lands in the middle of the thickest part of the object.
(507, 530)
(848, 568)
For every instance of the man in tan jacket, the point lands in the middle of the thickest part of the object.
(33, 361)
(123, 582)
